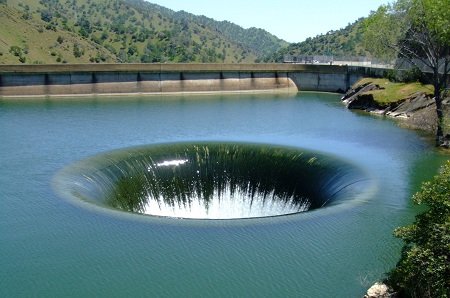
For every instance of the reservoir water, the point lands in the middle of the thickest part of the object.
(54, 245)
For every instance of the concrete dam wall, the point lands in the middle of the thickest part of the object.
(87, 79)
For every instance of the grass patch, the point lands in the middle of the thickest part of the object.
(394, 92)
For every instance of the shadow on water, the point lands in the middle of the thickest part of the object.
(213, 180)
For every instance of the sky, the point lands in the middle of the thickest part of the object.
(291, 20)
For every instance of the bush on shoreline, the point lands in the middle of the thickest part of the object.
(424, 267)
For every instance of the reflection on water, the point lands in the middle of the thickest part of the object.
(215, 180)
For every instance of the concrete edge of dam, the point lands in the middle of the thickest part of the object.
(156, 79)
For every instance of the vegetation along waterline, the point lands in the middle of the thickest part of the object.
(411, 103)
(417, 31)
(424, 266)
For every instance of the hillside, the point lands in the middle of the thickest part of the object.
(27, 40)
(259, 40)
(68, 31)
(347, 41)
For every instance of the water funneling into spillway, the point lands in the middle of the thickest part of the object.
(212, 180)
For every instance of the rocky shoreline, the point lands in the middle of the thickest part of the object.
(415, 111)
(380, 290)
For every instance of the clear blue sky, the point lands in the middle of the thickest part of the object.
(291, 20)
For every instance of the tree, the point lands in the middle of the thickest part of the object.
(46, 15)
(424, 267)
(132, 49)
(419, 31)
(78, 51)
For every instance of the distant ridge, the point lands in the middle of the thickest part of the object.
(347, 41)
(136, 31)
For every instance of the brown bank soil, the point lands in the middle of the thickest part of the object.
(412, 104)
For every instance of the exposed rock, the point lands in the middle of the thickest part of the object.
(408, 106)
(379, 290)
(446, 142)
(363, 102)
(357, 99)
(417, 111)
(422, 119)
(353, 91)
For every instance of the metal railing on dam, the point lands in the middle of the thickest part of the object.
(88, 79)
(340, 60)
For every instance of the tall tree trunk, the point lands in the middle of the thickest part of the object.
(439, 111)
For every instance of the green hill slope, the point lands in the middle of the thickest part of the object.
(258, 40)
(343, 42)
(30, 40)
(58, 31)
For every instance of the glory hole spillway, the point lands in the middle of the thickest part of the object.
(107, 196)
(213, 180)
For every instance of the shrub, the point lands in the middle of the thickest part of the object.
(391, 75)
(27, 15)
(412, 75)
(16, 51)
(78, 51)
(424, 266)
(46, 15)
(405, 76)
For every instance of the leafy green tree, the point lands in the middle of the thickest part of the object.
(419, 31)
(132, 49)
(424, 267)
(46, 15)
(104, 35)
